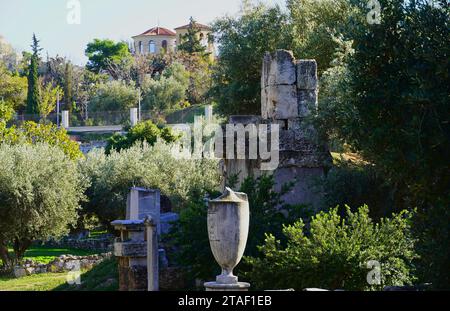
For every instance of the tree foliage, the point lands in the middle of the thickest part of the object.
(68, 88)
(8, 55)
(6, 111)
(48, 97)
(144, 131)
(242, 43)
(32, 133)
(199, 69)
(315, 24)
(190, 42)
(114, 96)
(389, 101)
(33, 97)
(40, 191)
(356, 184)
(147, 166)
(13, 88)
(166, 92)
(100, 52)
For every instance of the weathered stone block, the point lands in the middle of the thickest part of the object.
(296, 140)
(307, 102)
(266, 105)
(267, 59)
(245, 119)
(143, 202)
(172, 278)
(278, 68)
(307, 74)
(29, 270)
(279, 102)
(137, 276)
(305, 190)
(167, 219)
(130, 249)
(296, 124)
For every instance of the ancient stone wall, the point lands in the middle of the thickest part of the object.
(101, 244)
(64, 263)
(289, 97)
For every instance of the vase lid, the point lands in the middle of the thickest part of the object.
(230, 196)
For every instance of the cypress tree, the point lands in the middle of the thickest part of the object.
(33, 79)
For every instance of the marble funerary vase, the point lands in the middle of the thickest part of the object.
(228, 224)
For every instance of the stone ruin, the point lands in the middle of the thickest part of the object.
(289, 97)
(289, 93)
(138, 251)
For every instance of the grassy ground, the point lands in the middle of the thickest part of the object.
(38, 282)
(45, 255)
(102, 277)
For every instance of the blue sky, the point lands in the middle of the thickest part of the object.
(113, 19)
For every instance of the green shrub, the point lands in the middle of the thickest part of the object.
(143, 131)
(32, 133)
(336, 253)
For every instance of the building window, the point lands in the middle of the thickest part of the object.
(164, 45)
(152, 47)
(203, 40)
(140, 47)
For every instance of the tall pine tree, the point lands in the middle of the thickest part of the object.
(33, 97)
(191, 43)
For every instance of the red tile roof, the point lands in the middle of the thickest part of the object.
(201, 26)
(158, 31)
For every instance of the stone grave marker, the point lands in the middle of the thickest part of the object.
(143, 202)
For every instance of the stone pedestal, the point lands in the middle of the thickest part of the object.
(219, 287)
(131, 251)
(137, 247)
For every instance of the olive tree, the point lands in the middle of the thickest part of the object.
(114, 96)
(40, 192)
(143, 165)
